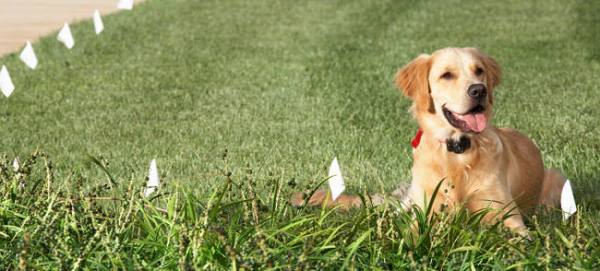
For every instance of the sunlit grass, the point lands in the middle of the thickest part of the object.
(112, 226)
(285, 86)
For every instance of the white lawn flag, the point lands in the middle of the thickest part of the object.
(6, 84)
(336, 180)
(28, 56)
(98, 25)
(66, 37)
(15, 164)
(153, 179)
(125, 4)
(567, 201)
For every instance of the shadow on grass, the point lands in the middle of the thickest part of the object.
(347, 74)
(587, 31)
(586, 191)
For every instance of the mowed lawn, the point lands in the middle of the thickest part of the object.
(284, 87)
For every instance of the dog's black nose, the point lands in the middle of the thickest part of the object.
(477, 91)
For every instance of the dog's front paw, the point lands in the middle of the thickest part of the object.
(523, 232)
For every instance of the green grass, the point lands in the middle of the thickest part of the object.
(284, 86)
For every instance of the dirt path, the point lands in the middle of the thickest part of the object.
(22, 20)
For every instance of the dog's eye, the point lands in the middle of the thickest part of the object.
(478, 71)
(447, 76)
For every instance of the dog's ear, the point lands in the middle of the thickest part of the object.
(412, 79)
(492, 70)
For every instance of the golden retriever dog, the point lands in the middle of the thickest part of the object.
(481, 166)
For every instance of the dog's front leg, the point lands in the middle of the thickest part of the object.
(414, 196)
(502, 206)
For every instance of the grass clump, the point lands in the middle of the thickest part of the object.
(112, 226)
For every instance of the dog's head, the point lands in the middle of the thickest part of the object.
(452, 90)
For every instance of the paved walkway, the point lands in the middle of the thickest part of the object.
(22, 20)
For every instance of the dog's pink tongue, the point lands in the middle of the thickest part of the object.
(474, 122)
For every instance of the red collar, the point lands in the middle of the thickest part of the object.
(415, 142)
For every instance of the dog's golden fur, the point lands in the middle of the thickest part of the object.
(500, 168)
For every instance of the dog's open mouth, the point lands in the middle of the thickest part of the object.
(472, 121)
